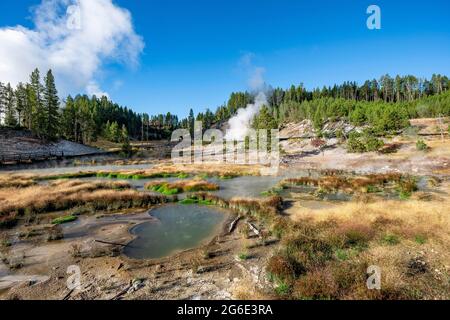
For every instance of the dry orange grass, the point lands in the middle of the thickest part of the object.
(16, 181)
(267, 207)
(431, 217)
(162, 170)
(36, 196)
(66, 194)
(407, 240)
(334, 182)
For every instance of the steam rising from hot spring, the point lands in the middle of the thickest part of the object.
(240, 124)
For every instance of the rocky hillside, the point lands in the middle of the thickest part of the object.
(21, 141)
(305, 129)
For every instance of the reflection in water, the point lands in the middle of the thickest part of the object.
(61, 164)
(179, 227)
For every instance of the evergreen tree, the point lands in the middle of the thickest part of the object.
(28, 112)
(3, 102)
(69, 120)
(21, 103)
(51, 107)
(264, 120)
(114, 133)
(86, 122)
(191, 122)
(38, 115)
(10, 112)
(126, 146)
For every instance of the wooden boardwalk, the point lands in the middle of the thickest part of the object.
(27, 157)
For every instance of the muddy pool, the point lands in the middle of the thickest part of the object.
(176, 228)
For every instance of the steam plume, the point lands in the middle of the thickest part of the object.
(240, 124)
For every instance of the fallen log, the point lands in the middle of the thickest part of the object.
(112, 243)
(66, 297)
(254, 229)
(233, 224)
(121, 293)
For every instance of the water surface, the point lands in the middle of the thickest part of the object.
(178, 228)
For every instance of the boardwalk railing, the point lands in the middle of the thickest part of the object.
(30, 156)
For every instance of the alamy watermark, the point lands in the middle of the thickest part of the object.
(374, 20)
(374, 278)
(73, 14)
(257, 147)
(74, 280)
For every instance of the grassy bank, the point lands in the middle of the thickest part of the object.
(68, 194)
(264, 210)
(171, 188)
(402, 185)
(164, 171)
(325, 254)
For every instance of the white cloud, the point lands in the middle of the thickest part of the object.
(93, 88)
(72, 37)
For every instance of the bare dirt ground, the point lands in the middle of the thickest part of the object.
(406, 160)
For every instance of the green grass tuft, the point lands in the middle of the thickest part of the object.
(391, 239)
(420, 239)
(188, 201)
(66, 219)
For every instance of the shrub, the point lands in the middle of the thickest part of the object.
(372, 189)
(363, 142)
(279, 227)
(348, 275)
(316, 285)
(309, 251)
(406, 186)
(354, 143)
(280, 268)
(356, 238)
(283, 289)
(351, 235)
(373, 144)
(340, 134)
(390, 119)
(126, 149)
(346, 254)
(421, 145)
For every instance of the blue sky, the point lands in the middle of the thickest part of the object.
(193, 49)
